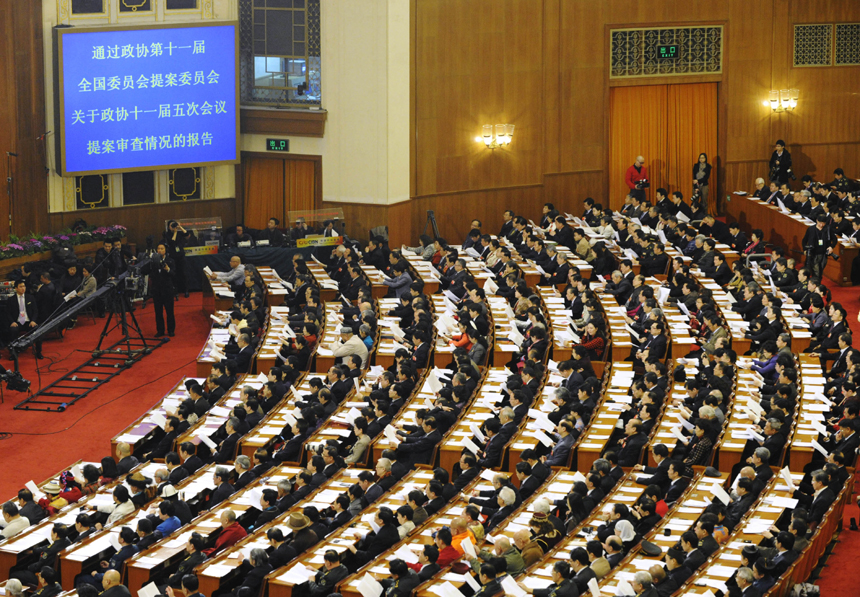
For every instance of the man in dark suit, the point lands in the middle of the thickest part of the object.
(561, 451)
(580, 564)
(191, 462)
(820, 501)
(785, 554)
(620, 287)
(506, 500)
(528, 482)
(126, 460)
(563, 234)
(491, 455)
(22, 314)
(738, 507)
(426, 567)
(223, 489)
(678, 484)
(632, 444)
(774, 440)
(468, 471)
(658, 474)
(508, 224)
(654, 345)
(46, 297)
(244, 476)
(421, 354)
(695, 556)
(419, 452)
(738, 241)
(165, 444)
(246, 351)
(227, 449)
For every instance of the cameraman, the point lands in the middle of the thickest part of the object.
(175, 238)
(780, 164)
(161, 270)
(637, 178)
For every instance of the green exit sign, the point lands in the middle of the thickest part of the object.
(667, 52)
(278, 144)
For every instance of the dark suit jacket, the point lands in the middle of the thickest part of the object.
(126, 464)
(254, 579)
(582, 577)
(243, 359)
(632, 451)
(177, 475)
(695, 559)
(12, 312)
(227, 450)
(676, 490)
(493, 452)
(221, 493)
(192, 464)
(418, 452)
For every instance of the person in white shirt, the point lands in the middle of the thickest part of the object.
(15, 523)
(122, 506)
(349, 344)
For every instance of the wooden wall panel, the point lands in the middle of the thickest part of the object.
(477, 63)
(143, 220)
(22, 104)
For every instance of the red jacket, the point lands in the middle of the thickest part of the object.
(228, 537)
(633, 176)
(447, 556)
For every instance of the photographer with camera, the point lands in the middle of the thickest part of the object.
(175, 238)
(161, 270)
(637, 178)
(780, 164)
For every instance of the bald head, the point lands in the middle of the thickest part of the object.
(503, 544)
(110, 579)
(458, 525)
(521, 538)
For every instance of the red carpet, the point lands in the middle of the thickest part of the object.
(42, 443)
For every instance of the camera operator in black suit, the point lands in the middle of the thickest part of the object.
(161, 270)
(175, 238)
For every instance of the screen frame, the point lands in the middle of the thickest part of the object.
(59, 97)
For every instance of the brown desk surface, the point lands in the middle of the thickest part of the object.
(281, 586)
(788, 232)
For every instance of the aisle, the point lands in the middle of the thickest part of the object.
(42, 443)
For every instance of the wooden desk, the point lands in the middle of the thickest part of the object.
(141, 434)
(214, 572)
(218, 414)
(787, 231)
(279, 583)
(212, 300)
(415, 542)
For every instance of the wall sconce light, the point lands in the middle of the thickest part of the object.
(503, 135)
(783, 100)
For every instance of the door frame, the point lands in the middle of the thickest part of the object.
(240, 177)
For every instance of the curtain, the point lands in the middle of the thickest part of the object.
(692, 130)
(669, 125)
(276, 186)
(637, 124)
